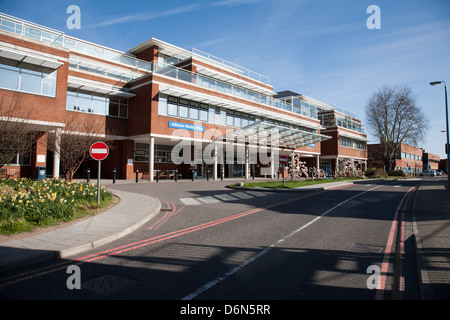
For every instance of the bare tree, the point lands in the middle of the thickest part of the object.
(79, 134)
(395, 118)
(15, 133)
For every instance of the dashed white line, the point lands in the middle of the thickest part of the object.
(263, 252)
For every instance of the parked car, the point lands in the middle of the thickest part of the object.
(439, 172)
(431, 173)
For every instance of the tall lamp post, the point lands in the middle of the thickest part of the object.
(446, 119)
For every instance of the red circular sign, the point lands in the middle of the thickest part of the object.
(99, 151)
(283, 159)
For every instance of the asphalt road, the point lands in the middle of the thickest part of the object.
(214, 243)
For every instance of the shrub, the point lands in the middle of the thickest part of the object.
(396, 173)
(375, 173)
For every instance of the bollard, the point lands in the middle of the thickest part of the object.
(88, 175)
(157, 175)
(137, 175)
(114, 176)
(176, 175)
(222, 174)
(207, 175)
(192, 174)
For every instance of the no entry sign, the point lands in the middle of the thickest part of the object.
(283, 159)
(99, 151)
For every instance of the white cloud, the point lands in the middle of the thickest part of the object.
(147, 16)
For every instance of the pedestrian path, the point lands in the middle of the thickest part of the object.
(222, 197)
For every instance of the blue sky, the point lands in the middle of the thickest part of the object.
(319, 48)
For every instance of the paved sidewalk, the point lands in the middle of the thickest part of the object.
(431, 223)
(132, 211)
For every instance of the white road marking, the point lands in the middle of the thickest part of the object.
(189, 201)
(225, 197)
(208, 199)
(263, 252)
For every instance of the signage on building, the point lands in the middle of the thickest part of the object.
(187, 126)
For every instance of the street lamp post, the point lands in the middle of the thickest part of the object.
(446, 119)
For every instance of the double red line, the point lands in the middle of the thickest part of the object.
(174, 234)
(172, 210)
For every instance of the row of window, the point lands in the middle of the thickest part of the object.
(204, 81)
(27, 78)
(142, 153)
(87, 102)
(352, 143)
(331, 120)
(193, 110)
(405, 155)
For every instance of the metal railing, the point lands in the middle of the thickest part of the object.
(241, 70)
(212, 83)
(55, 37)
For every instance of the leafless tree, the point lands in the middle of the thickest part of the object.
(79, 133)
(15, 133)
(395, 118)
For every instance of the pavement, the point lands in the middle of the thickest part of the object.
(431, 229)
(132, 211)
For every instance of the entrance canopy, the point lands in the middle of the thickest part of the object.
(273, 135)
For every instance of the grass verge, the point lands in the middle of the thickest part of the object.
(289, 184)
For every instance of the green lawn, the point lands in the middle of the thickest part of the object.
(293, 183)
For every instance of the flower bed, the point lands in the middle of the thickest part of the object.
(26, 204)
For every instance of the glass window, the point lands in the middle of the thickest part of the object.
(212, 115)
(193, 113)
(123, 109)
(184, 111)
(237, 120)
(27, 78)
(204, 115)
(230, 119)
(99, 105)
(172, 108)
(71, 101)
(223, 117)
(9, 77)
(141, 152)
(84, 102)
(30, 81)
(162, 106)
(113, 109)
(49, 84)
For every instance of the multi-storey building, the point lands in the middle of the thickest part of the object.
(348, 143)
(431, 161)
(163, 107)
(409, 159)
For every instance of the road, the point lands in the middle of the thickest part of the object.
(214, 243)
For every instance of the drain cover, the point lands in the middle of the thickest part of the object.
(366, 248)
(107, 284)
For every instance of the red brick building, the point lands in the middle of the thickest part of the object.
(163, 107)
(348, 143)
(409, 159)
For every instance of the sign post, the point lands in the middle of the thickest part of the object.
(283, 161)
(99, 151)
